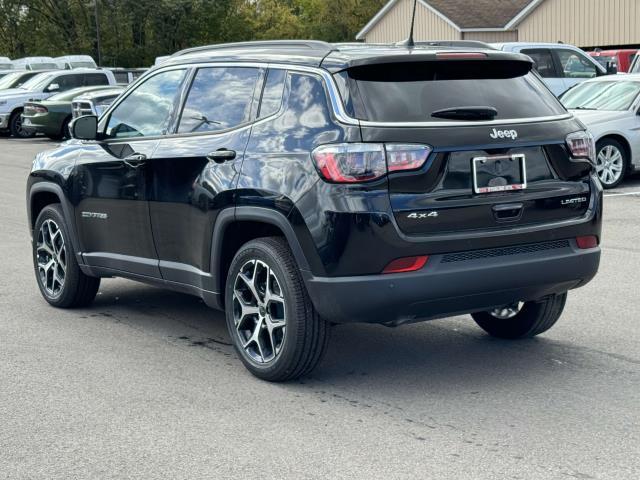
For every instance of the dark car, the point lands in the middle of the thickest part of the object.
(300, 184)
(51, 117)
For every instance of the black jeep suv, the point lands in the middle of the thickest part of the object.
(298, 184)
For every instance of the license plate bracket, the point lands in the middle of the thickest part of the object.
(499, 173)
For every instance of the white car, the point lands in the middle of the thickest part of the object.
(69, 62)
(41, 87)
(35, 63)
(610, 107)
(560, 65)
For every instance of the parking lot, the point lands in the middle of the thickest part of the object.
(145, 383)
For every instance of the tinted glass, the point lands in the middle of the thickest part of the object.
(147, 110)
(219, 98)
(543, 62)
(66, 82)
(121, 77)
(272, 94)
(412, 92)
(95, 79)
(575, 65)
(602, 95)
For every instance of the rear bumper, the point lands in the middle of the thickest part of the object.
(452, 284)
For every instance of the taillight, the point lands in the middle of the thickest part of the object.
(582, 145)
(362, 162)
(406, 264)
(586, 242)
(35, 109)
(406, 157)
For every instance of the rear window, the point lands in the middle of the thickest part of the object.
(411, 92)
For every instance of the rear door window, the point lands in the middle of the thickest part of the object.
(412, 92)
(219, 98)
(543, 62)
(91, 79)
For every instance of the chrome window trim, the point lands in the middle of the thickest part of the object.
(334, 97)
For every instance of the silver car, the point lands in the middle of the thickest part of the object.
(610, 108)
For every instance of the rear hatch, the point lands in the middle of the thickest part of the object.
(500, 156)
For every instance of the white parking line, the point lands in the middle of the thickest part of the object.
(621, 194)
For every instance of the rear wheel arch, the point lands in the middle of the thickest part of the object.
(236, 227)
(622, 140)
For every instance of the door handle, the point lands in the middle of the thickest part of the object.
(135, 160)
(222, 155)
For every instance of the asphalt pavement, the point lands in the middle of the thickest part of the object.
(144, 384)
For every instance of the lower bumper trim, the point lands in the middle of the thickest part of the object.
(444, 289)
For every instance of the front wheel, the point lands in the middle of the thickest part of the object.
(523, 319)
(272, 322)
(611, 162)
(59, 277)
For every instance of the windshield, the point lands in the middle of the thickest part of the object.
(615, 96)
(43, 66)
(69, 95)
(38, 82)
(11, 80)
(445, 91)
(82, 65)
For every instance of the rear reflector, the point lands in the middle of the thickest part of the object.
(406, 264)
(589, 241)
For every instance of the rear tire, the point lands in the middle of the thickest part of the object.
(272, 323)
(532, 319)
(59, 277)
(612, 162)
(15, 127)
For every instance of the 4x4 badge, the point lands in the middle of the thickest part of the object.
(423, 215)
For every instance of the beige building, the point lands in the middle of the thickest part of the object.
(585, 23)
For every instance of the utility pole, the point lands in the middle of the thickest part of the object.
(95, 4)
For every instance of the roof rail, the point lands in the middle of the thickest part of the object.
(454, 43)
(284, 44)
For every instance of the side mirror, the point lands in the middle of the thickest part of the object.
(53, 87)
(612, 68)
(84, 128)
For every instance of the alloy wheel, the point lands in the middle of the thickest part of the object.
(507, 312)
(51, 256)
(259, 311)
(609, 164)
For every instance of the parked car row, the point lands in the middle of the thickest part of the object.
(40, 87)
(51, 117)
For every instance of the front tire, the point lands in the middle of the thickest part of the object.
(611, 162)
(272, 322)
(522, 321)
(59, 277)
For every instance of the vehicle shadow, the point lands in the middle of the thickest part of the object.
(443, 355)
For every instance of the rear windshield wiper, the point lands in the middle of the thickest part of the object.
(466, 113)
(582, 108)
